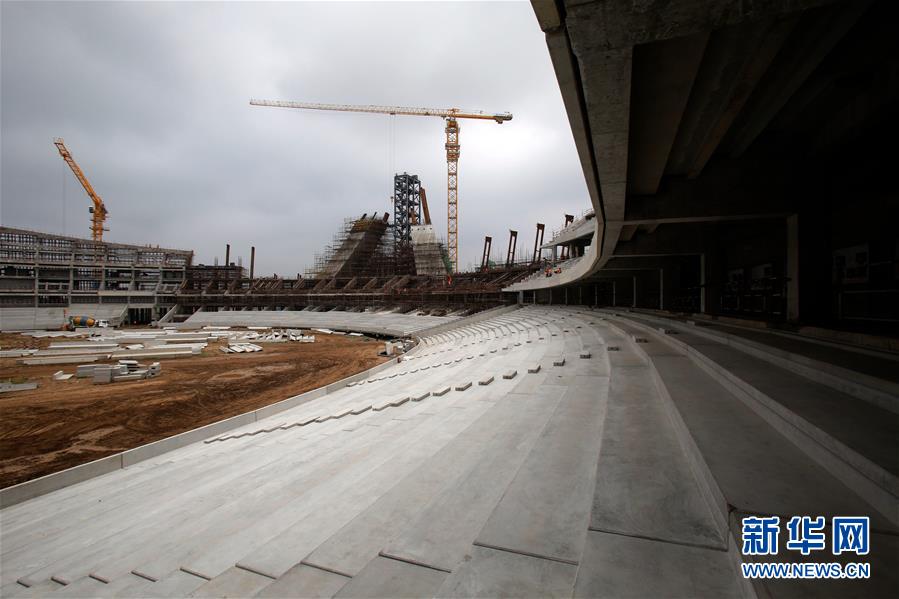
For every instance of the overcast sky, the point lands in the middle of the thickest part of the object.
(152, 101)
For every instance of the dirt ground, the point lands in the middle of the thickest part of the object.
(65, 423)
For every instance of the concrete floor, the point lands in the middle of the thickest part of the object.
(618, 474)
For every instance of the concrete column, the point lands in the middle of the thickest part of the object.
(793, 268)
(661, 289)
(702, 283)
(634, 296)
(520, 297)
(713, 280)
(71, 277)
(613, 293)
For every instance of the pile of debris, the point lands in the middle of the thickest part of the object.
(125, 370)
(397, 346)
(260, 334)
(240, 348)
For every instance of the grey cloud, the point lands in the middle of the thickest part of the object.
(152, 99)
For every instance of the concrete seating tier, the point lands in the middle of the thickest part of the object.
(623, 473)
(383, 323)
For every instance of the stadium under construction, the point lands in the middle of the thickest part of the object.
(690, 389)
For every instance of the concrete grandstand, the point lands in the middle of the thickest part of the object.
(688, 363)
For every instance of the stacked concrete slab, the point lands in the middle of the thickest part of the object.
(621, 474)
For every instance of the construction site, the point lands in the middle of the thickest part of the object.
(626, 404)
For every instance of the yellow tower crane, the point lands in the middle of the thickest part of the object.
(98, 210)
(450, 115)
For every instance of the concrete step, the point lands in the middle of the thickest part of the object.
(543, 511)
(131, 536)
(41, 589)
(357, 490)
(383, 577)
(233, 582)
(755, 468)
(443, 532)
(495, 573)
(116, 487)
(351, 548)
(856, 441)
(177, 583)
(624, 566)
(645, 485)
(305, 581)
(215, 541)
(83, 587)
(864, 373)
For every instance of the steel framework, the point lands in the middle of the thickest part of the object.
(406, 207)
(510, 252)
(452, 192)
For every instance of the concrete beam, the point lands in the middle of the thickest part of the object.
(608, 91)
(649, 262)
(816, 35)
(612, 24)
(547, 13)
(570, 85)
(735, 60)
(663, 77)
(728, 190)
(627, 232)
(689, 238)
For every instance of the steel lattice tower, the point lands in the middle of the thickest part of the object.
(452, 191)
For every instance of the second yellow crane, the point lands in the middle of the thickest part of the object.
(98, 210)
(452, 149)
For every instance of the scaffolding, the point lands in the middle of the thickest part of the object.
(362, 247)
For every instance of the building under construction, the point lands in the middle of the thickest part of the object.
(362, 247)
(43, 277)
(371, 246)
(370, 263)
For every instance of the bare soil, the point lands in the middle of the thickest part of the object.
(65, 423)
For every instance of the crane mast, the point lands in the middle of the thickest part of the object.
(98, 210)
(451, 116)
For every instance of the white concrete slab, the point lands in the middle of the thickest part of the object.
(620, 566)
(492, 573)
(645, 485)
(304, 581)
(545, 507)
(384, 577)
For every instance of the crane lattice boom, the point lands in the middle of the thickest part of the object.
(440, 112)
(98, 210)
(452, 149)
